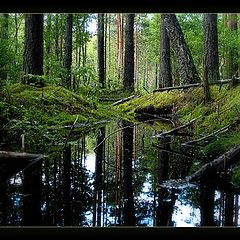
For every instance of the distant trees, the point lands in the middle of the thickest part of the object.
(232, 52)
(128, 77)
(33, 46)
(124, 52)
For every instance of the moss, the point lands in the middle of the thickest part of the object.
(223, 110)
(38, 112)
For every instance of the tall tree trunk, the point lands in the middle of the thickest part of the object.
(128, 202)
(165, 74)
(33, 48)
(211, 58)
(101, 52)
(120, 45)
(67, 59)
(232, 52)
(128, 78)
(186, 68)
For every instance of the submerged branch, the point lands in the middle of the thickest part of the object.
(172, 151)
(193, 142)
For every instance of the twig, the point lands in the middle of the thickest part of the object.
(123, 100)
(70, 131)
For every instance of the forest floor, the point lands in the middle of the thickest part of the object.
(48, 113)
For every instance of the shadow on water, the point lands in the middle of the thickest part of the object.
(117, 175)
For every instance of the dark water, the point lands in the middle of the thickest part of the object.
(113, 176)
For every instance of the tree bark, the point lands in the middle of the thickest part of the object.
(211, 58)
(186, 68)
(101, 51)
(165, 74)
(67, 59)
(33, 48)
(128, 78)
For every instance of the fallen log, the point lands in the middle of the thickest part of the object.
(225, 81)
(124, 100)
(219, 164)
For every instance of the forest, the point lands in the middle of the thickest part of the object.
(119, 119)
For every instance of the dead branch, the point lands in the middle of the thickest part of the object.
(225, 81)
(193, 142)
(124, 100)
(174, 130)
(221, 163)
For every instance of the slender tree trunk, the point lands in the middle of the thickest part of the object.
(211, 58)
(128, 78)
(67, 59)
(101, 52)
(165, 74)
(120, 45)
(33, 48)
(186, 68)
(56, 36)
(232, 52)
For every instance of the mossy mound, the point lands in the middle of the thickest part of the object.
(223, 109)
(40, 113)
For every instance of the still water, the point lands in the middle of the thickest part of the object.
(117, 174)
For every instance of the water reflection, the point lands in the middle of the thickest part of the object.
(116, 176)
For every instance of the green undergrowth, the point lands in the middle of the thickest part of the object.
(41, 113)
(222, 110)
